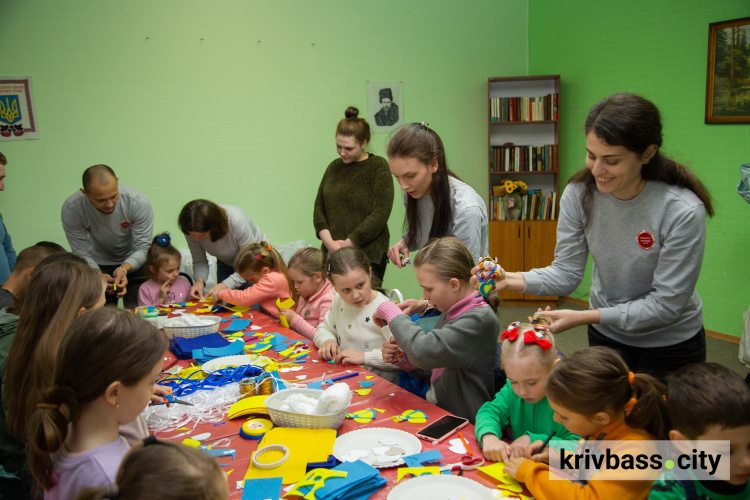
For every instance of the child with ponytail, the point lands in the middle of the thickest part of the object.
(528, 356)
(260, 264)
(461, 349)
(181, 473)
(308, 273)
(104, 377)
(595, 396)
(165, 285)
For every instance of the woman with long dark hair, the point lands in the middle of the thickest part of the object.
(642, 217)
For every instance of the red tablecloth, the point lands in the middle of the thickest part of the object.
(383, 395)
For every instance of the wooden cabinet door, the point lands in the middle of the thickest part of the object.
(506, 245)
(540, 238)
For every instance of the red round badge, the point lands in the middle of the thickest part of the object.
(646, 240)
(124, 224)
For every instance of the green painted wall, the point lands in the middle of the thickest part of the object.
(237, 100)
(657, 49)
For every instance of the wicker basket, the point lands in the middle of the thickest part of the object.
(289, 419)
(193, 331)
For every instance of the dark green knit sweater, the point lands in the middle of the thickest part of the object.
(354, 201)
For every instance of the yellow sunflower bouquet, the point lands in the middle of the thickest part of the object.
(509, 187)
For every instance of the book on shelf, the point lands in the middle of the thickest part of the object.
(512, 158)
(524, 109)
(534, 206)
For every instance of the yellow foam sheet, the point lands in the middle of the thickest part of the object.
(287, 304)
(248, 406)
(502, 480)
(305, 446)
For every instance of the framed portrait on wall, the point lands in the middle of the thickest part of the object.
(385, 105)
(728, 72)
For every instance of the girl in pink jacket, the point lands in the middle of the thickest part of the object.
(307, 271)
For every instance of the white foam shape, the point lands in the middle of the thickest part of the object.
(349, 458)
(388, 458)
(388, 441)
(255, 327)
(315, 361)
(201, 437)
(285, 369)
(359, 453)
(240, 484)
(295, 368)
(457, 446)
(302, 377)
(380, 450)
(392, 394)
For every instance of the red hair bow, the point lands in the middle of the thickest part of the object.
(530, 337)
(510, 334)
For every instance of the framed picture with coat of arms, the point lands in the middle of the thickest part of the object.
(17, 113)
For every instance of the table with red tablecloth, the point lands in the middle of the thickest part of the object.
(383, 395)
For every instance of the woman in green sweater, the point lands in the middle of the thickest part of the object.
(355, 197)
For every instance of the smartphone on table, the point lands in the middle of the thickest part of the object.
(441, 428)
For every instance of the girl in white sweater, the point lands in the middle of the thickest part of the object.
(349, 335)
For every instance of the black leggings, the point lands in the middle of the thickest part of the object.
(656, 361)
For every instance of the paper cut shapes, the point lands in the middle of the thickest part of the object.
(457, 446)
(411, 416)
(368, 377)
(496, 474)
(366, 384)
(426, 457)
(236, 325)
(287, 304)
(415, 471)
(364, 416)
(362, 392)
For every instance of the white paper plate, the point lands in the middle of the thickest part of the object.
(238, 360)
(441, 487)
(368, 438)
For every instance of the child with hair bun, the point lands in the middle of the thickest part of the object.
(260, 264)
(461, 349)
(528, 355)
(308, 274)
(105, 371)
(165, 285)
(181, 473)
(595, 396)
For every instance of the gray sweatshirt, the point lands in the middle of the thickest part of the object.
(122, 237)
(645, 293)
(241, 230)
(465, 347)
(469, 221)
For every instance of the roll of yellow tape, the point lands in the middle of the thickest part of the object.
(256, 427)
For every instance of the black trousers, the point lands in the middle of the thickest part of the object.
(656, 361)
(135, 278)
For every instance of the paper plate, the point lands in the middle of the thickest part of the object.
(238, 360)
(366, 439)
(440, 487)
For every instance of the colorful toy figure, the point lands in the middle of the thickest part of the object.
(488, 271)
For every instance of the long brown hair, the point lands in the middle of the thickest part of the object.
(635, 123)
(59, 287)
(203, 216)
(450, 259)
(597, 379)
(253, 257)
(102, 346)
(420, 142)
(182, 473)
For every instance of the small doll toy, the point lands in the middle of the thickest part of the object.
(488, 272)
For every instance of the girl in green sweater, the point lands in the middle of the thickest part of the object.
(528, 355)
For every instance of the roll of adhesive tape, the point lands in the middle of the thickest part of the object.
(255, 428)
(273, 449)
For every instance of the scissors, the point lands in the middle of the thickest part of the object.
(466, 463)
(169, 399)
